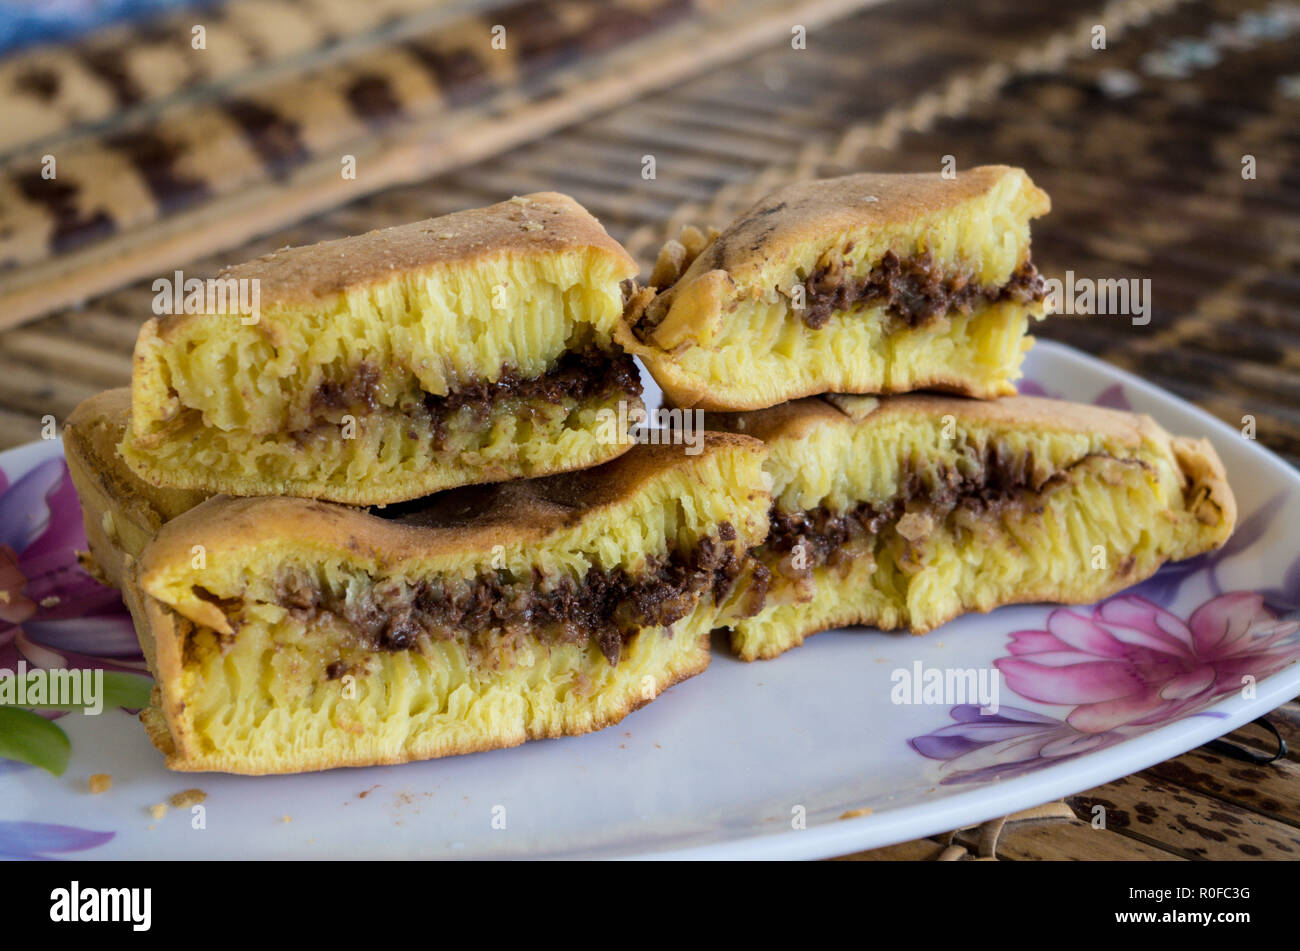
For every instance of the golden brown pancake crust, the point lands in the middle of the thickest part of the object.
(473, 518)
(544, 222)
(1026, 412)
(809, 211)
(466, 525)
(105, 484)
(1201, 490)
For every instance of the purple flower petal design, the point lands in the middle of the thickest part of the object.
(1034, 388)
(1113, 397)
(1074, 631)
(13, 766)
(1071, 685)
(1127, 666)
(67, 611)
(16, 607)
(970, 713)
(973, 730)
(31, 840)
(63, 531)
(24, 514)
(1032, 642)
(102, 635)
(1140, 623)
(1252, 528)
(1012, 742)
(1162, 587)
(56, 615)
(62, 587)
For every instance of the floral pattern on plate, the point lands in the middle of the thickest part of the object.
(1127, 667)
(1089, 682)
(52, 615)
(1124, 668)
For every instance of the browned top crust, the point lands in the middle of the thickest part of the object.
(96, 425)
(92, 435)
(791, 420)
(1205, 481)
(541, 223)
(463, 521)
(808, 211)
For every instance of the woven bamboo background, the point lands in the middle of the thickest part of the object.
(1144, 166)
(123, 155)
(1141, 146)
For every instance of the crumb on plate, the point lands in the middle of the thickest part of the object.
(188, 797)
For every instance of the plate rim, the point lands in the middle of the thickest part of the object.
(1051, 782)
(837, 837)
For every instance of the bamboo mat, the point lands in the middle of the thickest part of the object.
(122, 156)
(1207, 805)
(1141, 157)
(1141, 147)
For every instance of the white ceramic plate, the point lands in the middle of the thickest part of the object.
(725, 765)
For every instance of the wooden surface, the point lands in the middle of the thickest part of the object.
(1204, 805)
(200, 157)
(1140, 146)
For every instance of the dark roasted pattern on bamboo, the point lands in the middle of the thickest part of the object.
(1144, 185)
(199, 160)
(216, 139)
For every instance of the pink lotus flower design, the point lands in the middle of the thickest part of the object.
(1124, 668)
(1132, 663)
(53, 614)
(982, 747)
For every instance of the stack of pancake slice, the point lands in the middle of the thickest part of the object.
(398, 512)
(900, 509)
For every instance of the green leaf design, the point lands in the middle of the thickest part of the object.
(32, 739)
(127, 690)
(120, 690)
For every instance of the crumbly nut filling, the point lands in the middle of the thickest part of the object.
(578, 375)
(606, 606)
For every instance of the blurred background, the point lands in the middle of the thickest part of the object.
(138, 137)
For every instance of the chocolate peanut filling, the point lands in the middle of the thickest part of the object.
(825, 535)
(914, 290)
(580, 375)
(606, 607)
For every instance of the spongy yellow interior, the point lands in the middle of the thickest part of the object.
(386, 456)
(217, 402)
(1110, 526)
(266, 706)
(985, 237)
(761, 352)
(809, 472)
(1110, 518)
(263, 702)
(435, 328)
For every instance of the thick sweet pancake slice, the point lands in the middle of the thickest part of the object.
(906, 511)
(120, 510)
(471, 348)
(864, 284)
(303, 635)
